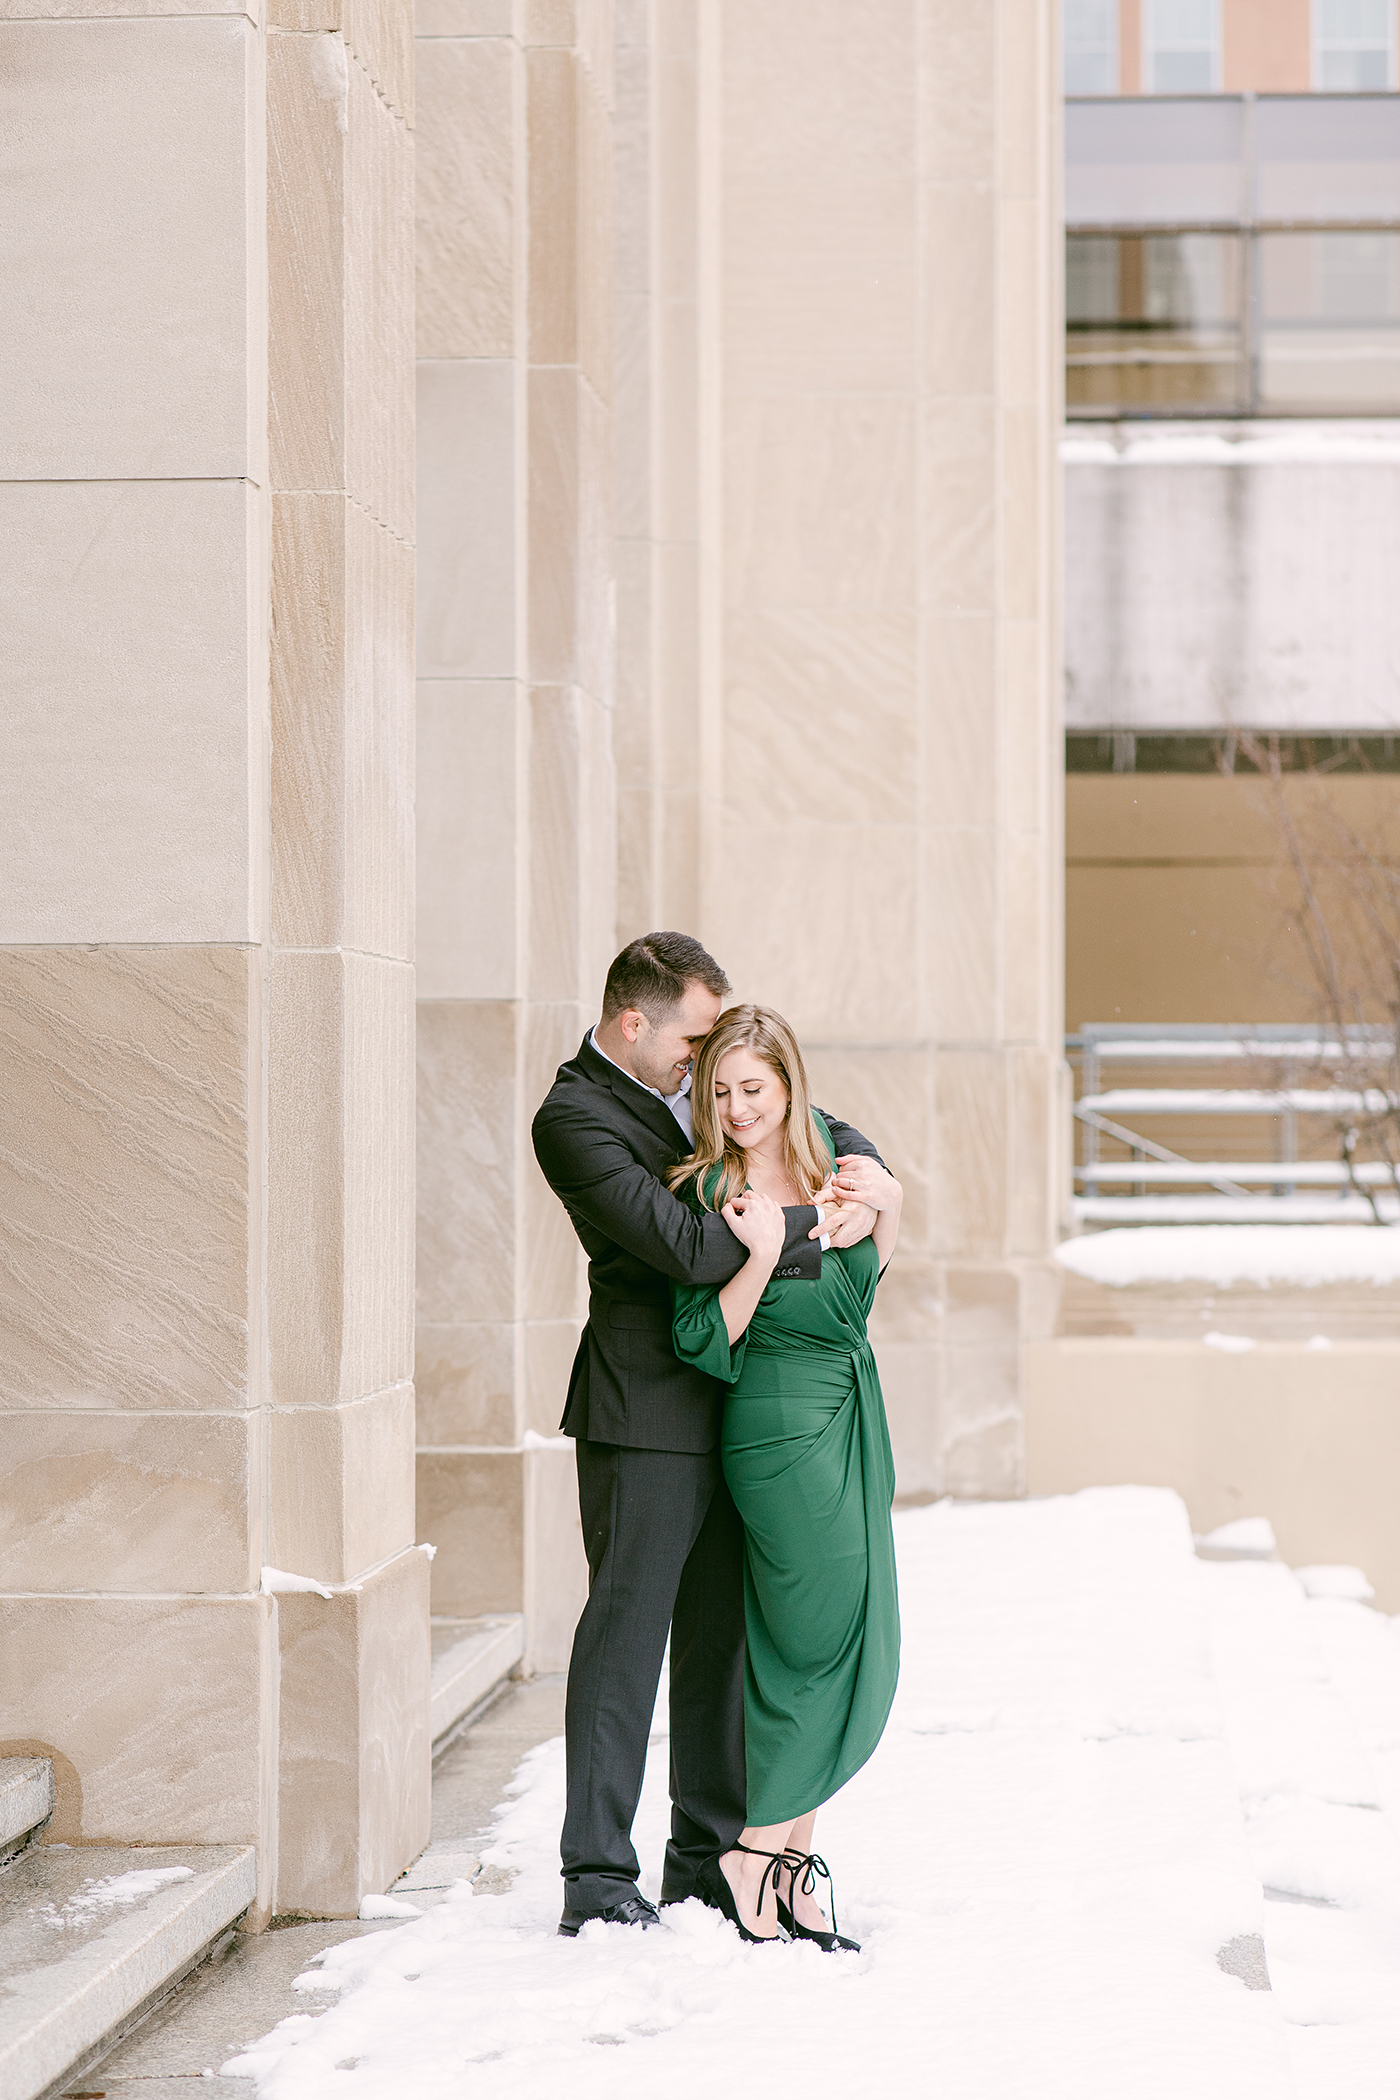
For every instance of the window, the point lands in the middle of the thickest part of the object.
(1352, 45)
(1091, 47)
(1182, 46)
(1218, 267)
(1155, 325)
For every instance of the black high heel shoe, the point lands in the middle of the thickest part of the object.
(812, 1869)
(712, 1887)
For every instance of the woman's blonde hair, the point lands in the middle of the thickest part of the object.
(805, 1155)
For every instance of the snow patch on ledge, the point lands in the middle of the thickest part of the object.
(1304, 1255)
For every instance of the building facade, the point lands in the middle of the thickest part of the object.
(735, 556)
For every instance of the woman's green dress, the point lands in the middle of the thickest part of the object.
(806, 1453)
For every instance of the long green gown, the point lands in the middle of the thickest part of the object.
(806, 1453)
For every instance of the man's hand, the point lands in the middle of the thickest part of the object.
(864, 1181)
(845, 1223)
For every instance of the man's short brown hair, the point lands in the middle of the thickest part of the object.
(651, 974)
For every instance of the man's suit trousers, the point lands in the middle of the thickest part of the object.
(665, 1555)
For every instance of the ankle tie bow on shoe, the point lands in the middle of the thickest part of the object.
(776, 1862)
(813, 1869)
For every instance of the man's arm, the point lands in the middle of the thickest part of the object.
(596, 1178)
(847, 1139)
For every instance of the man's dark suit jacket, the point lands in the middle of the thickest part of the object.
(605, 1145)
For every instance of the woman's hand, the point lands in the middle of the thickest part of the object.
(860, 1179)
(758, 1222)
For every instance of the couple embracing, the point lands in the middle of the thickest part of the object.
(734, 1467)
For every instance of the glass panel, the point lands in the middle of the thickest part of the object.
(1091, 47)
(1329, 323)
(1182, 38)
(1353, 72)
(1148, 162)
(1154, 325)
(1353, 44)
(1324, 157)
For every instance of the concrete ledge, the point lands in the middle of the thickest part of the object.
(470, 1658)
(1309, 1438)
(26, 1800)
(91, 1936)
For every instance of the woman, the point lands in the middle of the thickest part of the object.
(806, 1454)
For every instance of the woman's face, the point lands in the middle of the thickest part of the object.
(750, 1099)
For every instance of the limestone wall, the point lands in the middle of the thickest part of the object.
(206, 1214)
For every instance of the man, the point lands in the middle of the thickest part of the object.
(664, 1542)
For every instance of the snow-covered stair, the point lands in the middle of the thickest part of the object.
(26, 1802)
(92, 1936)
(1044, 1861)
(1311, 1691)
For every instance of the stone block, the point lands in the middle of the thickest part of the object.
(379, 306)
(471, 1506)
(134, 1170)
(835, 968)
(131, 1502)
(958, 87)
(466, 1161)
(552, 126)
(981, 1437)
(886, 1094)
(553, 541)
(800, 73)
(127, 823)
(821, 715)
(550, 1349)
(820, 502)
(377, 33)
(969, 1178)
(556, 1568)
(306, 198)
(911, 1378)
(354, 1755)
(342, 1485)
(466, 1383)
(340, 1136)
(465, 149)
(961, 329)
(961, 515)
(555, 1277)
(308, 719)
(555, 842)
(962, 759)
(467, 507)
(437, 18)
(550, 22)
(822, 285)
(964, 940)
(379, 739)
(1309, 1438)
(470, 734)
(170, 1747)
(130, 250)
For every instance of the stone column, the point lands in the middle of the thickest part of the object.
(204, 1182)
(516, 806)
(657, 312)
(880, 856)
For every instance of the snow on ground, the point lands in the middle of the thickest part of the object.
(1042, 1860)
(1225, 1254)
(1311, 1694)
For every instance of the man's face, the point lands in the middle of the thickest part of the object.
(663, 1049)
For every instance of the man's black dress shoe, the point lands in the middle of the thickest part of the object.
(633, 1910)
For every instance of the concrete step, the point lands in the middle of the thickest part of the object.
(92, 1937)
(470, 1658)
(26, 1801)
